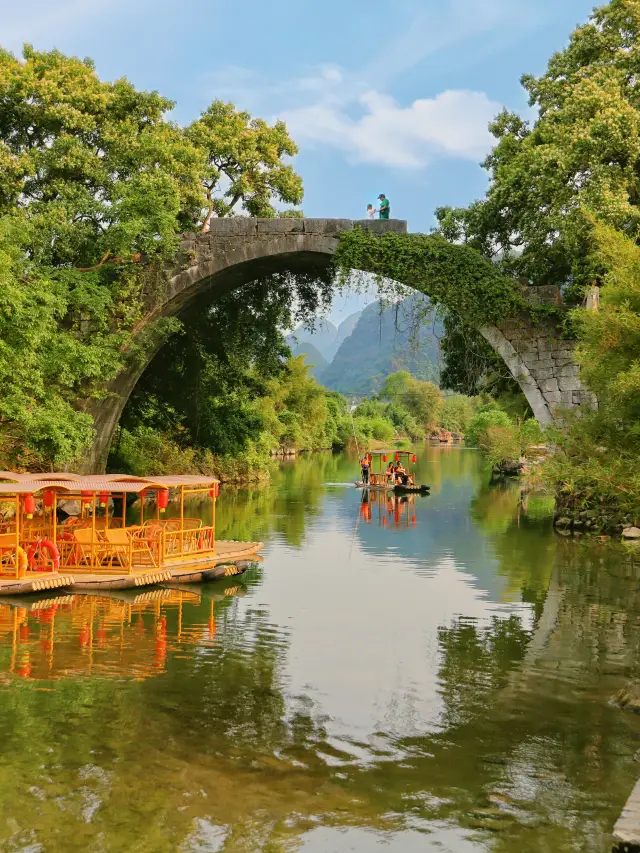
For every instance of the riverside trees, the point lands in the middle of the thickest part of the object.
(96, 186)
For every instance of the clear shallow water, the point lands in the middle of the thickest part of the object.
(434, 677)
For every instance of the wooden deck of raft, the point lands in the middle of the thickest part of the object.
(188, 570)
(626, 834)
(40, 582)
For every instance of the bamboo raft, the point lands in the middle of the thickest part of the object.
(626, 833)
(96, 549)
(131, 581)
(231, 558)
(36, 582)
(382, 479)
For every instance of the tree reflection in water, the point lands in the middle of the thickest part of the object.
(163, 726)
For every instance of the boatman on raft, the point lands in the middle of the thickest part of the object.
(364, 465)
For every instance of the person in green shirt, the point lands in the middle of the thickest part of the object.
(385, 207)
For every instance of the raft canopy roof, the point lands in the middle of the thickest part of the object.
(118, 483)
(389, 452)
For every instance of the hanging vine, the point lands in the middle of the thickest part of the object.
(453, 276)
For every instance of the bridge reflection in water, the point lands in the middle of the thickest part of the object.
(114, 636)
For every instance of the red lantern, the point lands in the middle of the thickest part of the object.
(414, 458)
(163, 499)
(215, 491)
(143, 493)
(48, 498)
(384, 458)
(370, 455)
(29, 505)
(104, 498)
(397, 457)
(86, 497)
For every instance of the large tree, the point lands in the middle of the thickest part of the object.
(579, 159)
(244, 162)
(581, 152)
(96, 186)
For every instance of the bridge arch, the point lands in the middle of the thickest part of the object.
(239, 250)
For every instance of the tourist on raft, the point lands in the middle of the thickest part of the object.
(400, 475)
(364, 465)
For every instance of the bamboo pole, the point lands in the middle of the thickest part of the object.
(18, 536)
(93, 529)
(54, 521)
(124, 510)
(182, 519)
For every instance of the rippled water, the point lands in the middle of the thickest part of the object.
(423, 675)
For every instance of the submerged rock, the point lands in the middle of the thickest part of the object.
(628, 697)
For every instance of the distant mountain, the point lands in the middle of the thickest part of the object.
(313, 358)
(322, 337)
(345, 328)
(379, 345)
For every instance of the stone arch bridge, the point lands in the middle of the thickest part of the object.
(238, 250)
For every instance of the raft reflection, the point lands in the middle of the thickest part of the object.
(112, 635)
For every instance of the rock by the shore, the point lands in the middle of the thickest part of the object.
(628, 697)
(631, 533)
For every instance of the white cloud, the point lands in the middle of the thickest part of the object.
(44, 22)
(453, 124)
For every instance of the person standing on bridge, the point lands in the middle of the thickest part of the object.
(385, 208)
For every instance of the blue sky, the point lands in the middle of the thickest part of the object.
(387, 96)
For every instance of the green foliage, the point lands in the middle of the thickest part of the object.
(422, 400)
(96, 187)
(488, 417)
(582, 152)
(244, 161)
(598, 454)
(451, 275)
(456, 413)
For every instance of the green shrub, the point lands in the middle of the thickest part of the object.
(485, 419)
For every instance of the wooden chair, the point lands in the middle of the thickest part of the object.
(8, 553)
(121, 547)
(83, 552)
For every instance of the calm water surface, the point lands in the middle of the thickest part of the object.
(424, 675)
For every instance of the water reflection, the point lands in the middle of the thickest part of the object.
(441, 685)
(118, 635)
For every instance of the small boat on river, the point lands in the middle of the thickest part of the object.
(90, 547)
(382, 478)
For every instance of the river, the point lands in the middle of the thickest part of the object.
(431, 675)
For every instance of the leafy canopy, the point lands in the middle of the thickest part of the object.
(456, 277)
(96, 187)
(597, 458)
(244, 161)
(582, 152)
